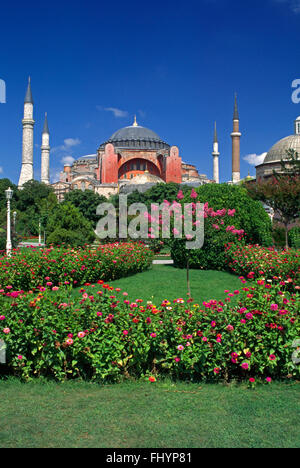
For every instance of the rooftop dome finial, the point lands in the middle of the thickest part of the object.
(135, 124)
(297, 126)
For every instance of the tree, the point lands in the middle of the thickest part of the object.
(289, 165)
(86, 202)
(67, 225)
(34, 202)
(282, 193)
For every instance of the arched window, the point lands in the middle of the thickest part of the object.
(298, 128)
(83, 186)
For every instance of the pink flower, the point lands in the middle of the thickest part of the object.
(274, 306)
(69, 341)
(180, 195)
(230, 328)
(268, 379)
(245, 365)
(249, 316)
(272, 357)
(251, 380)
(204, 339)
(180, 348)
(153, 335)
(2, 317)
(213, 324)
(20, 357)
(217, 370)
(81, 334)
(194, 194)
(6, 331)
(177, 359)
(125, 332)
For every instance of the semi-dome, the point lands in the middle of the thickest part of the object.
(145, 178)
(279, 150)
(136, 137)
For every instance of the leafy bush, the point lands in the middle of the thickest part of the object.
(30, 268)
(254, 261)
(67, 225)
(249, 216)
(102, 337)
(294, 237)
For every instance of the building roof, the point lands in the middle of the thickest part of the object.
(136, 137)
(278, 151)
(145, 178)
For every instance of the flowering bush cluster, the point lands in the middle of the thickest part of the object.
(102, 335)
(229, 213)
(255, 261)
(31, 268)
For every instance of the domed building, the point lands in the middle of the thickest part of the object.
(278, 152)
(133, 156)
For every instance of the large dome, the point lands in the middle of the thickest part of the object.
(136, 137)
(279, 150)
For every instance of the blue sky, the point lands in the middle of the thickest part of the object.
(93, 65)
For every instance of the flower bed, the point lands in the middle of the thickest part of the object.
(255, 261)
(104, 336)
(30, 268)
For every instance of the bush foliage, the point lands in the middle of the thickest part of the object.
(249, 216)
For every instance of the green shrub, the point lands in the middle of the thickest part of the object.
(67, 225)
(294, 237)
(249, 216)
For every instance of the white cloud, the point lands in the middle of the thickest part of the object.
(294, 5)
(69, 142)
(67, 160)
(118, 113)
(1, 170)
(255, 159)
(68, 145)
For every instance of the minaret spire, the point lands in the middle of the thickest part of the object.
(27, 147)
(216, 155)
(135, 124)
(45, 172)
(236, 137)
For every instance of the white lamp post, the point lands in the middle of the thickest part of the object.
(9, 194)
(40, 234)
(15, 219)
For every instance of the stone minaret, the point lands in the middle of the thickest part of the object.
(216, 155)
(45, 177)
(236, 136)
(27, 150)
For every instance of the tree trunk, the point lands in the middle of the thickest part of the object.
(286, 235)
(188, 277)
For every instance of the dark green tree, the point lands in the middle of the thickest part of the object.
(86, 202)
(67, 225)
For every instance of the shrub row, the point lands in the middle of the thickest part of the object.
(255, 261)
(105, 337)
(30, 268)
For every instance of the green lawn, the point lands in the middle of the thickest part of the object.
(141, 415)
(166, 282)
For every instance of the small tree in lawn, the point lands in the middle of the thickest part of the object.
(282, 193)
